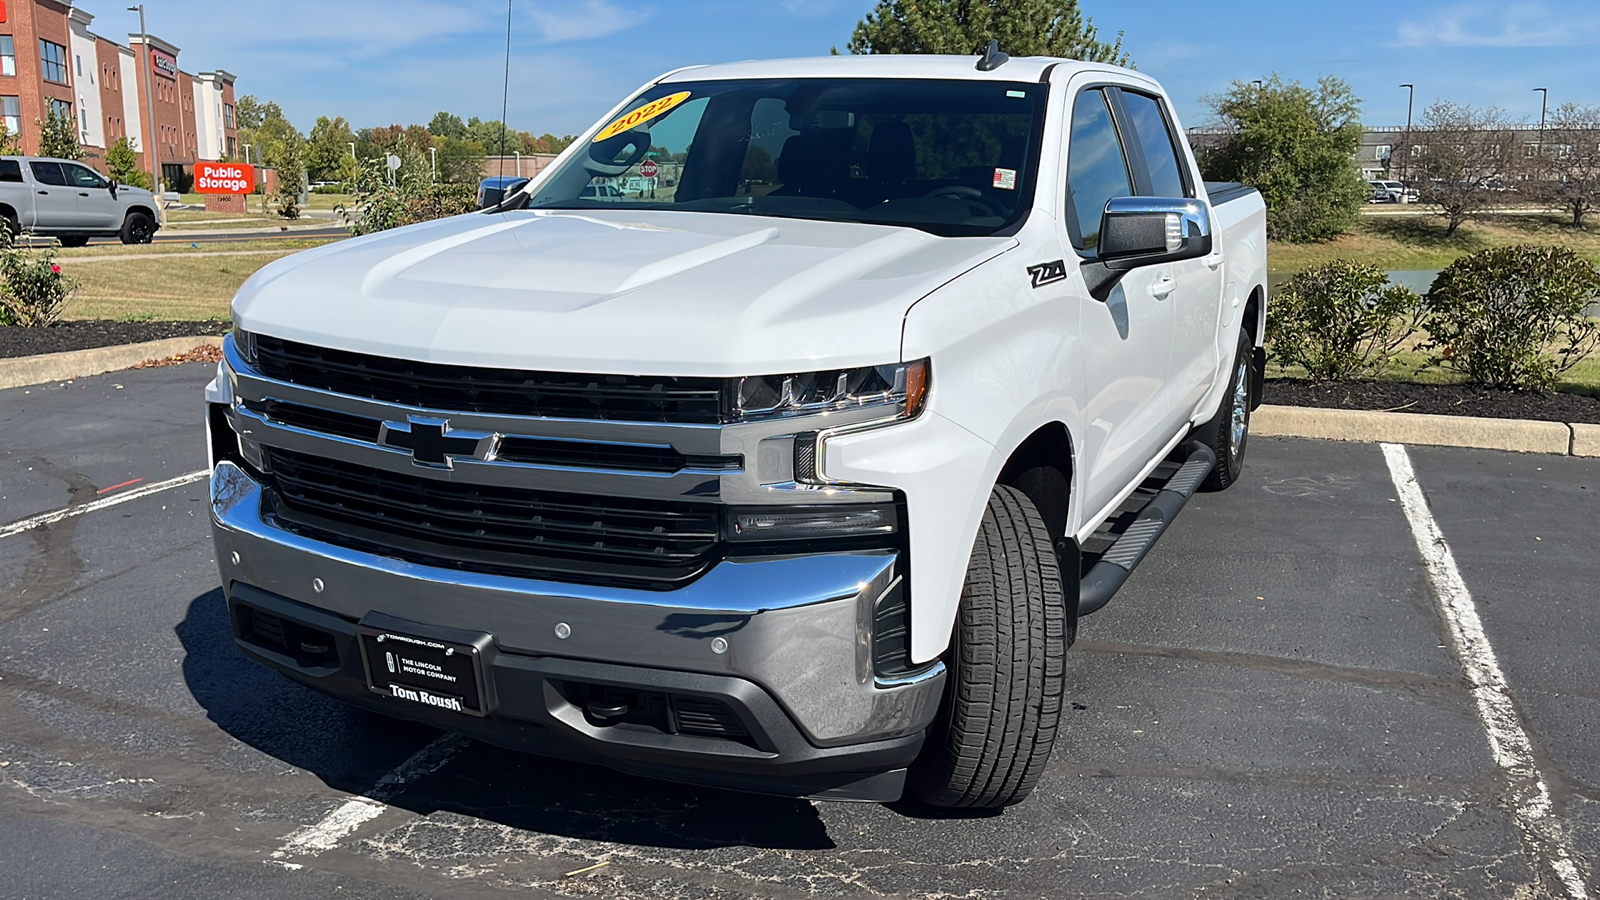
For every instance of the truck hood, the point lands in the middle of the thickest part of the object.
(625, 292)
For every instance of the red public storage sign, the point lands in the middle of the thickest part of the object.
(224, 178)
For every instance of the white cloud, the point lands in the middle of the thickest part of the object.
(586, 20)
(1512, 25)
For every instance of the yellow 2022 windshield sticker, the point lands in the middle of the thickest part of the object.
(641, 115)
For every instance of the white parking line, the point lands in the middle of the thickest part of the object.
(357, 811)
(1508, 739)
(51, 518)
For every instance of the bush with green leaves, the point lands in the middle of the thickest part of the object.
(33, 292)
(1340, 321)
(122, 164)
(1513, 317)
(380, 205)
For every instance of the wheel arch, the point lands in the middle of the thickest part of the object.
(1255, 315)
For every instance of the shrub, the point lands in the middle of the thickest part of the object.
(1340, 321)
(1513, 317)
(33, 292)
(380, 206)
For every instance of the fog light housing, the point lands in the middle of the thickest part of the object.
(792, 523)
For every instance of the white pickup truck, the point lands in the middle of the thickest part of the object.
(68, 200)
(794, 475)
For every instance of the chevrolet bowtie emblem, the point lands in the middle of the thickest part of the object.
(433, 444)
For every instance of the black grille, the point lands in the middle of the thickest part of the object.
(323, 421)
(707, 716)
(622, 398)
(516, 531)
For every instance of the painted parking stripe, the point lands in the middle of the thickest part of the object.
(1545, 834)
(326, 833)
(50, 518)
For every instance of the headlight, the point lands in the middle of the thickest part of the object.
(899, 387)
(246, 344)
(794, 523)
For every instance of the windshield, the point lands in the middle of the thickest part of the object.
(949, 157)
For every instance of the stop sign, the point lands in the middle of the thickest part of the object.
(649, 169)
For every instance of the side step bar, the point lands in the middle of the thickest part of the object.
(1102, 582)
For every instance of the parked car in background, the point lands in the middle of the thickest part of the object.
(1391, 192)
(67, 200)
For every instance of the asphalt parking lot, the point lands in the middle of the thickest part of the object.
(1278, 704)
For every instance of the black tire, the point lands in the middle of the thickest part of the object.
(73, 240)
(1219, 434)
(1007, 677)
(138, 228)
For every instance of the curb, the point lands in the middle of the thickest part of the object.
(26, 371)
(1514, 435)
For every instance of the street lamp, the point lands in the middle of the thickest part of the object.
(1259, 84)
(433, 154)
(1544, 107)
(149, 99)
(1405, 156)
(352, 149)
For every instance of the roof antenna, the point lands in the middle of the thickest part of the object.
(505, 98)
(992, 58)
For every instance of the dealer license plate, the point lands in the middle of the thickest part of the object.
(416, 669)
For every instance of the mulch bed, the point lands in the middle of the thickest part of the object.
(89, 335)
(1437, 399)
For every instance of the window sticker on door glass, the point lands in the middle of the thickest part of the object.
(641, 115)
(1005, 179)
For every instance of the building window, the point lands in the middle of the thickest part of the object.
(61, 108)
(11, 114)
(1385, 152)
(227, 114)
(54, 59)
(79, 61)
(8, 55)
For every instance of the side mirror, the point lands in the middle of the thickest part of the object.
(1146, 231)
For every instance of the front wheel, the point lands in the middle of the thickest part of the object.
(1003, 699)
(138, 229)
(1228, 433)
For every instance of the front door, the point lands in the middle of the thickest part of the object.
(1127, 338)
(97, 208)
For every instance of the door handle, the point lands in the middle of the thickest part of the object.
(83, 193)
(1214, 261)
(45, 193)
(1163, 288)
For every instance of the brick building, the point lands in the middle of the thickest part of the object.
(50, 59)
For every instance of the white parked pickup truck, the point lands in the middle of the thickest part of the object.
(70, 201)
(793, 476)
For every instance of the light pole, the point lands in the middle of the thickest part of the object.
(519, 163)
(1405, 156)
(352, 149)
(1544, 107)
(149, 98)
(433, 154)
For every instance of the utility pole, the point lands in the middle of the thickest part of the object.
(1405, 156)
(149, 100)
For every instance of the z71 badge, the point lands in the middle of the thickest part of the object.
(1045, 273)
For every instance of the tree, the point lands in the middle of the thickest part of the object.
(1293, 144)
(1023, 28)
(282, 147)
(444, 124)
(58, 135)
(496, 138)
(122, 164)
(1571, 160)
(250, 112)
(1464, 156)
(460, 160)
(328, 150)
(10, 144)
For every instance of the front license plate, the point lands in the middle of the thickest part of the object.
(423, 671)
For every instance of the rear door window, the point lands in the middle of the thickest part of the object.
(1097, 166)
(48, 173)
(1160, 148)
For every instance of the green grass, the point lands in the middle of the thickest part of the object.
(120, 252)
(162, 287)
(1419, 242)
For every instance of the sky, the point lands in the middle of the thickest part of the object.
(381, 62)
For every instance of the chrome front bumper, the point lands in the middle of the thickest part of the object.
(797, 629)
